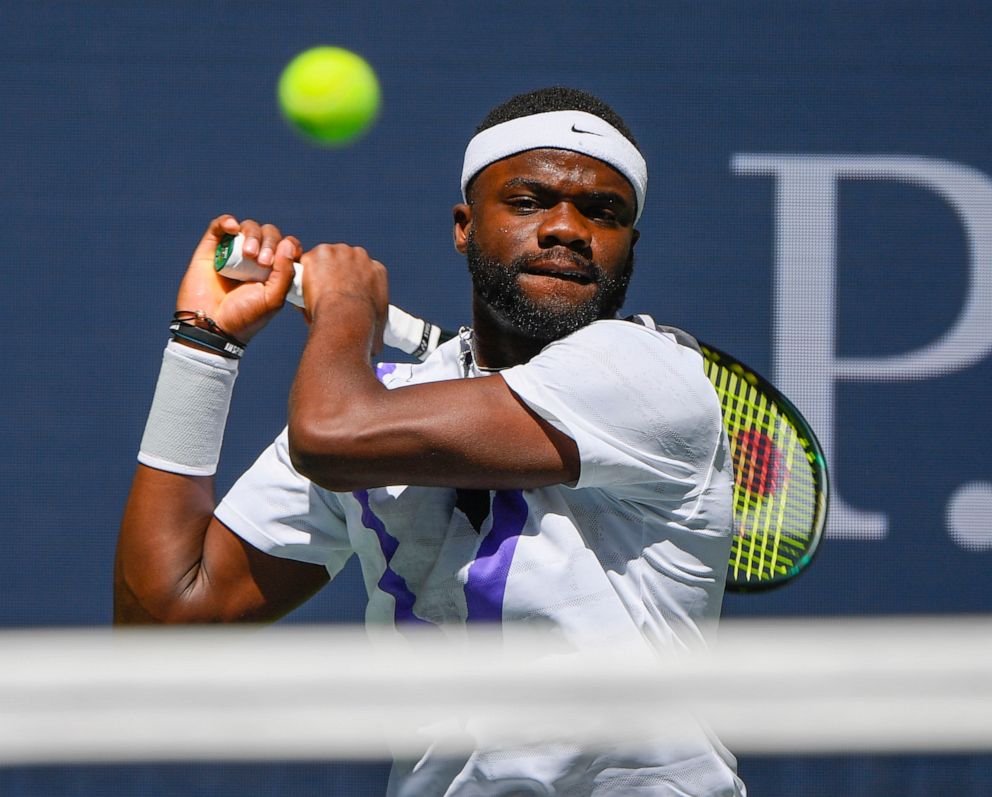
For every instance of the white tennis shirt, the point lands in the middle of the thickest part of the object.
(636, 551)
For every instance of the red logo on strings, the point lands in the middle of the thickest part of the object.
(757, 463)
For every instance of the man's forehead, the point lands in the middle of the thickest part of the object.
(572, 131)
(556, 168)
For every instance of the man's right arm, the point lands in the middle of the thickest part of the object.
(175, 562)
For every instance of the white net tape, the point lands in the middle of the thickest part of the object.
(865, 686)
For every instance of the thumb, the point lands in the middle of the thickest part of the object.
(225, 224)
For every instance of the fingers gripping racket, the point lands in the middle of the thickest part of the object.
(402, 329)
(780, 475)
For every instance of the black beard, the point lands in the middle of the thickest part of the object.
(496, 284)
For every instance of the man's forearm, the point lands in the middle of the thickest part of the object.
(347, 431)
(334, 388)
(161, 542)
(160, 546)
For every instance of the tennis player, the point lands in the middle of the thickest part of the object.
(552, 465)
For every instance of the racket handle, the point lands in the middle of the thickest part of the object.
(230, 261)
(403, 331)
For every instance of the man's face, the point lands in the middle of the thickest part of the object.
(549, 240)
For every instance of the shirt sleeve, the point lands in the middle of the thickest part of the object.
(282, 513)
(637, 404)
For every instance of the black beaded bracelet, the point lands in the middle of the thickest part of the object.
(186, 326)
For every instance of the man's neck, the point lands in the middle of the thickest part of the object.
(497, 345)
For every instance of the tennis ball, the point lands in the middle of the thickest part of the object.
(330, 94)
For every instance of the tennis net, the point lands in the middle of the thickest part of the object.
(892, 685)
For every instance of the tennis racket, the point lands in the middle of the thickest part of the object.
(780, 476)
(781, 487)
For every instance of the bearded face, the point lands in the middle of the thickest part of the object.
(550, 314)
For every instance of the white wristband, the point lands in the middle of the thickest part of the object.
(185, 427)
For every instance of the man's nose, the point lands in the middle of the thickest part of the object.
(564, 225)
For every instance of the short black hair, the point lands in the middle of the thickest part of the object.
(554, 98)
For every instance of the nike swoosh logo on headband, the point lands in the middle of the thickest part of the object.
(587, 132)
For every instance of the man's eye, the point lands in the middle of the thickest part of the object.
(602, 212)
(524, 203)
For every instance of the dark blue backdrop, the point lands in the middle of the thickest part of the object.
(819, 204)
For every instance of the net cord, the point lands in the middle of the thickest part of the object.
(768, 687)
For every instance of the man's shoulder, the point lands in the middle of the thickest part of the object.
(635, 338)
(680, 336)
(616, 363)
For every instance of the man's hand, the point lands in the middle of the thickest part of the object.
(240, 308)
(339, 280)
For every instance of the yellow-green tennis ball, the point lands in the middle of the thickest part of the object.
(329, 93)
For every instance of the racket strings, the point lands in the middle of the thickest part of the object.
(757, 502)
(774, 489)
(763, 519)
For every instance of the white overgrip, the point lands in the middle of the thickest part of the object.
(403, 331)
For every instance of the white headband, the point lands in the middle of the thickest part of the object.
(576, 131)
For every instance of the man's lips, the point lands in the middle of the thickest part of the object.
(560, 269)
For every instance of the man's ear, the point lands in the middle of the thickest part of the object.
(462, 214)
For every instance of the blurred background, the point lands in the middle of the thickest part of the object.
(820, 205)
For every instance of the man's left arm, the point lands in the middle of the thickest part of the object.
(347, 431)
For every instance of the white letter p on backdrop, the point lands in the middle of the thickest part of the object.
(805, 275)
